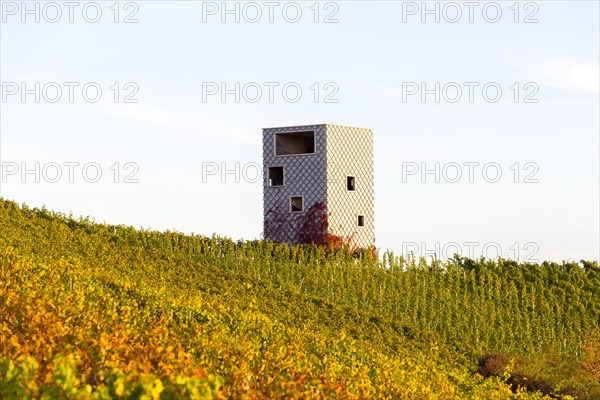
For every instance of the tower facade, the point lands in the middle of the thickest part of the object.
(312, 167)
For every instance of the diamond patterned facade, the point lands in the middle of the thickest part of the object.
(320, 175)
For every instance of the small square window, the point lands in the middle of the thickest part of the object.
(296, 204)
(275, 176)
(351, 183)
(361, 220)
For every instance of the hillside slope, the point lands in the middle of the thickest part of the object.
(96, 311)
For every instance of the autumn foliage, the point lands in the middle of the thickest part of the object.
(311, 227)
(315, 229)
(99, 311)
(591, 350)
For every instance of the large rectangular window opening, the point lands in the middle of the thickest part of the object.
(275, 176)
(351, 183)
(291, 143)
(361, 220)
(296, 204)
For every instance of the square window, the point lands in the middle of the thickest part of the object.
(275, 176)
(351, 183)
(361, 220)
(296, 204)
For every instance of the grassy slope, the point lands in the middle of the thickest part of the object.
(90, 310)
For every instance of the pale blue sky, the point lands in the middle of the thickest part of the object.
(368, 54)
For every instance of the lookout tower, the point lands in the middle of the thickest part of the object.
(318, 166)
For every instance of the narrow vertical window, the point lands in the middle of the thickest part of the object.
(351, 183)
(275, 176)
(361, 220)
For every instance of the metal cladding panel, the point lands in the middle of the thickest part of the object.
(350, 153)
(304, 175)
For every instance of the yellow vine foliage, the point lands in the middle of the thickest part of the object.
(591, 350)
(89, 311)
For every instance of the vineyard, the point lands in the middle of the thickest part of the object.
(98, 311)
